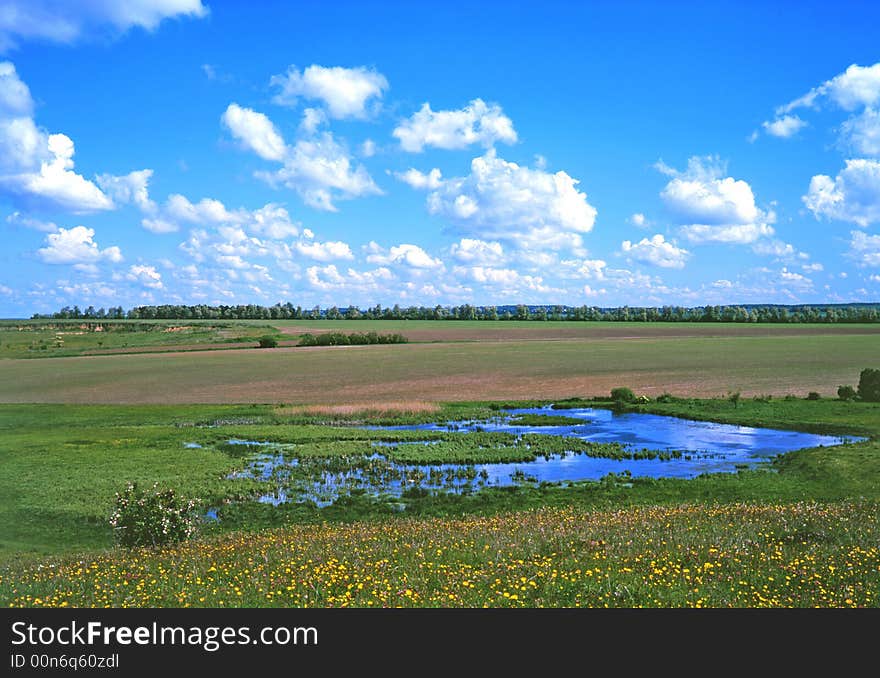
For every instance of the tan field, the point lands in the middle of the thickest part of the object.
(687, 359)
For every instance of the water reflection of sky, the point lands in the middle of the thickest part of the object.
(708, 447)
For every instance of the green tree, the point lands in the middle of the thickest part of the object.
(869, 385)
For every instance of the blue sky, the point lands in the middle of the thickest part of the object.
(187, 151)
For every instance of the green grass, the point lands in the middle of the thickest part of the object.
(35, 339)
(60, 465)
(805, 554)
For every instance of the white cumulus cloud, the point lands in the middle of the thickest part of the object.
(419, 180)
(317, 167)
(404, 254)
(131, 188)
(864, 249)
(344, 91)
(656, 251)
(66, 21)
(710, 207)
(324, 251)
(36, 166)
(206, 211)
(76, 246)
(478, 122)
(503, 201)
(853, 195)
(146, 276)
(273, 222)
(862, 132)
(321, 171)
(856, 89)
(639, 220)
(255, 131)
(784, 127)
(473, 251)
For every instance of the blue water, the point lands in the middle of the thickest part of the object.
(707, 447)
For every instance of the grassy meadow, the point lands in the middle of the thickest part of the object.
(800, 531)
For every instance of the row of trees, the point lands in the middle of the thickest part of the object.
(842, 313)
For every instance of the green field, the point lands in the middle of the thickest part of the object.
(53, 339)
(76, 426)
(60, 481)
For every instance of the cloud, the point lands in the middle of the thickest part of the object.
(503, 201)
(312, 119)
(505, 282)
(206, 211)
(405, 255)
(317, 167)
(792, 279)
(778, 249)
(19, 219)
(656, 251)
(88, 291)
(58, 183)
(415, 179)
(472, 251)
(864, 249)
(862, 132)
(272, 221)
(178, 209)
(344, 91)
(255, 131)
(858, 87)
(76, 246)
(321, 171)
(853, 195)
(15, 97)
(368, 148)
(66, 22)
(160, 226)
(131, 188)
(477, 122)
(784, 127)
(591, 269)
(710, 207)
(639, 221)
(34, 165)
(328, 278)
(324, 251)
(146, 276)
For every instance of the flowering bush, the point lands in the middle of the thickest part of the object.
(152, 518)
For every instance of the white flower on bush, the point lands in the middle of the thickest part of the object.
(152, 518)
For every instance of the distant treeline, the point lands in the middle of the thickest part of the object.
(768, 313)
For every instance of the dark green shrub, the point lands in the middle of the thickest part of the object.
(812, 395)
(846, 393)
(869, 385)
(734, 398)
(307, 340)
(152, 518)
(622, 394)
(268, 342)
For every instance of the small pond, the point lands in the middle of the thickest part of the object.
(685, 449)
